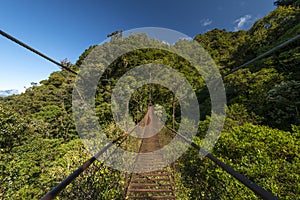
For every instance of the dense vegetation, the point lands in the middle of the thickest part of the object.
(39, 144)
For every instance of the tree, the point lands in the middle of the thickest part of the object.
(13, 129)
(283, 104)
(287, 3)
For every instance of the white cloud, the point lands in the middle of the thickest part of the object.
(186, 38)
(206, 22)
(165, 42)
(5, 93)
(242, 21)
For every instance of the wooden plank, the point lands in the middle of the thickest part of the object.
(150, 197)
(150, 190)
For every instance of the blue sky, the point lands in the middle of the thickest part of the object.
(65, 28)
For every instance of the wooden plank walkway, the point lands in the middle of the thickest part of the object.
(154, 184)
(151, 185)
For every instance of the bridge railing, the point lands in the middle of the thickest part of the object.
(205, 180)
(243, 180)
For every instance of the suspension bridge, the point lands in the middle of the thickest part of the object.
(157, 184)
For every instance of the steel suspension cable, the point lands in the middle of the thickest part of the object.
(258, 190)
(245, 181)
(72, 71)
(263, 55)
(54, 192)
(36, 51)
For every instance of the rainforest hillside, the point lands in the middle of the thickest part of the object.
(39, 144)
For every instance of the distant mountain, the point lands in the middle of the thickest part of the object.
(5, 93)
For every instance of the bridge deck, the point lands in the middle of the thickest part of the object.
(154, 184)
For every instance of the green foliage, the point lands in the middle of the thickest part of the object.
(287, 3)
(265, 92)
(39, 144)
(250, 86)
(54, 122)
(24, 165)
(13, 129)
(98, 182)
(251, 89)
(268, 32)
(283, 103)
(267, 156)
(221, 44)
(84, 55)
(36, 167)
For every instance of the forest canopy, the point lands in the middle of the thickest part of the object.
(39, 144)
